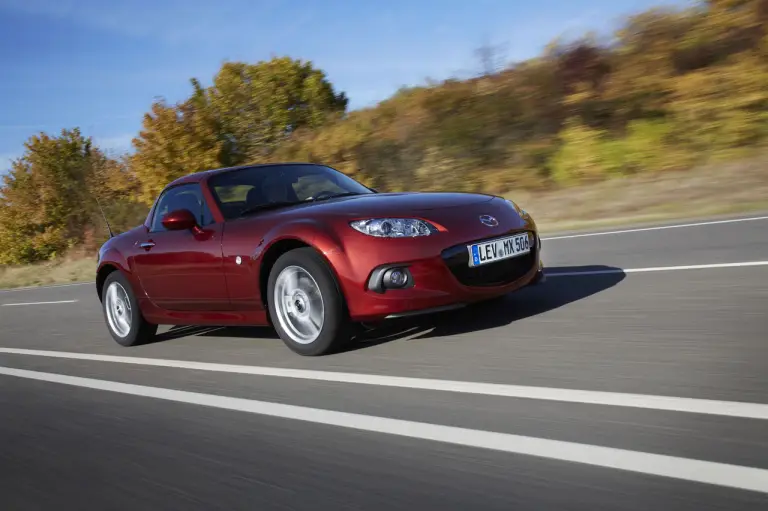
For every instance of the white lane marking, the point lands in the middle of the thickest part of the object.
(53, 286)
(36, 303)
(670, 403)
(657, 228)
(721, 474)
(658, 268)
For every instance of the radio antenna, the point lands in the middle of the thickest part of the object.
(111, 234)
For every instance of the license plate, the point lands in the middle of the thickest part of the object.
(499, 249)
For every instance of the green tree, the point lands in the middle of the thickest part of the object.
(45, 202)
(257, 106)
(242, 117)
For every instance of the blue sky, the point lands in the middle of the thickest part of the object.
(98, 64)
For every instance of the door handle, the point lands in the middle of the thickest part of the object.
(147, 245)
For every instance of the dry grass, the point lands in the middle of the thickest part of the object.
(725, 189)
(64, 271)
(722, 190)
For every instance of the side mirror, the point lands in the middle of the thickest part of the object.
(179, 220)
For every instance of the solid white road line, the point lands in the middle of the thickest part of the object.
(36, 303)
(721, 474)
(658, 268)
(656, 228)
(669, 403)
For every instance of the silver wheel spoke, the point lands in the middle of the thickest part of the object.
(315, 318)
(293, 282)
(118, 309)
(299, 304)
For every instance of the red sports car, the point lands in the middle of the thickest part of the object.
(310, 251)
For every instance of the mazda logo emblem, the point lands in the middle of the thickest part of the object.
(488, 220)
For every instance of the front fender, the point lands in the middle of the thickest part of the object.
(112, 259)
(317, 234)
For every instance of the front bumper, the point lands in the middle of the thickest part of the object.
(440, 278)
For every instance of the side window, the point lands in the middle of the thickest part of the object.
(182, 197)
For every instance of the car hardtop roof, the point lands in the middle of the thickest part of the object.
(198, 177)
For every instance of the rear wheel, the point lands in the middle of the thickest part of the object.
(306, 304)
(124, 320)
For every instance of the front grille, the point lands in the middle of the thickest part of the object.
(497, 273)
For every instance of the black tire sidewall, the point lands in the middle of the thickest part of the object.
(140, 331)
(335, 331)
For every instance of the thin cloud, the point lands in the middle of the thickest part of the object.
(173, 21)
(58, 126)
(115, 144)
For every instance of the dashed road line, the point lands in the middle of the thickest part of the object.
(52, 286)
(36, 303)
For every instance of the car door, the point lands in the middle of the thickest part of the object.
(182, 270)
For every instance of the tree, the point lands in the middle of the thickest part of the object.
(248, 111)
(45, 201)
(175, 140)
(259, 105)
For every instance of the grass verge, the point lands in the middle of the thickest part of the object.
(731, 189)
(65, 271)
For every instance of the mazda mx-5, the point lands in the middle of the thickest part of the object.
(309, 251)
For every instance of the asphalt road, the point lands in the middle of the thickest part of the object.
(614, 389)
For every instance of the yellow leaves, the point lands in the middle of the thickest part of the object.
(579, 157)
(723, 107)
(589, 154)
(175, 141)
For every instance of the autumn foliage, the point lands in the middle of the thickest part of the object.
(672, 89)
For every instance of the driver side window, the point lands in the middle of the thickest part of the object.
(182, 197)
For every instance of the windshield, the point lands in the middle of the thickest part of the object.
(253, 189)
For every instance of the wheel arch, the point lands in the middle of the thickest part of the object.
(101, 276)
(282, 246)
(109, 262)
(270, 257)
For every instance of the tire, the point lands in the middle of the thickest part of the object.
(314, 321)
(139, 331)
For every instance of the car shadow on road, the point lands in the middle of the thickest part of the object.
(564, 285)
(574, 283)
(241, 332)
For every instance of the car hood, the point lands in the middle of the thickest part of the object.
(456, 212)
(400, 204)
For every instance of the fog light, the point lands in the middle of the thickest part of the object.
(395, 277)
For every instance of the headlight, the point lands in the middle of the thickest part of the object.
(394, 227)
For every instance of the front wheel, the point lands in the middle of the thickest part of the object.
(306, 304)
(124, 320)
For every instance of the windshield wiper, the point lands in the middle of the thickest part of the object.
(336, 196)
(266, 206)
